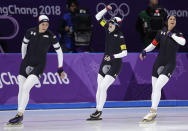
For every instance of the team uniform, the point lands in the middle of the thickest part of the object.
(34, 61)
(114, 44)
(115, 50)
(166, 59)
(164, 65)
(35, 46)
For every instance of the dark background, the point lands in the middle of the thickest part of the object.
(128, 27)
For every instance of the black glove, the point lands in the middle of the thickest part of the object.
(112, 57)
(60, 70)
(143, 53)
(170, 34)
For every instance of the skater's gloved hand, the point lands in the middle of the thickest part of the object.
(109, 7)
(112, 57)
(61, 72)
(169, 34)
(107, 58)
(143, 55)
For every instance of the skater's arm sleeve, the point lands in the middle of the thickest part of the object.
(58, 50)
(156, 40)
(150, 47)
(25, 43)
(121, 55)
(154, 43)
(179, 39)
(100, 14)
(28, 36)
(60, 57)
(24, 49)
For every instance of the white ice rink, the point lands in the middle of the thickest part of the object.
(114, 119)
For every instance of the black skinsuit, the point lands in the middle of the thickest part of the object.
(38, 45)
(166, 59)
(114, 44)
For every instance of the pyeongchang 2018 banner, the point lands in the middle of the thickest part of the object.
(80, 84)
(23, 15)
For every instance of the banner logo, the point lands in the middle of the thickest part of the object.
(177, 13)
(49, 78)
(123, 9)
(16, 27)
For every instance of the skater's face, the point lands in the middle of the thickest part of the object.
(171, 22)
(111, 27)
(43, 27)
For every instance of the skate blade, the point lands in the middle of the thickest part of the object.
(145, 121)
(9, 125)
(94, 119)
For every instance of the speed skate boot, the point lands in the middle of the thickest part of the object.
(150, 117)
(16, 121)
(95, 116)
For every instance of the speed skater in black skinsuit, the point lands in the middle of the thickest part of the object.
(35, 47)
(169, 39)
(115, 50)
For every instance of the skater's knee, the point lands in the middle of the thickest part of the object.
(25, 90)
(21, 78)
(103, 89)
(33, 78)
(103, 85)
(156, 89)
(99, 79)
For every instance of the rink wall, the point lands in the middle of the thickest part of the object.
(132, 88)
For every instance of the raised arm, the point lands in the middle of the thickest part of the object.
(100, 14)
(178, 38)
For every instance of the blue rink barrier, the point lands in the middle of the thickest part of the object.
(111, 104)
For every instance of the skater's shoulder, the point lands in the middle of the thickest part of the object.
(121, 35)
(50, 32)
(177, 32)
(32, 29)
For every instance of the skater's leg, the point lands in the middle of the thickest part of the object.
(23, 97)
(160, 83)
(156, 96)
(96, 115)
(101, 96)
(106, 82)
(29, 83)
(154, 80)
(21, 80)
(99, 81)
